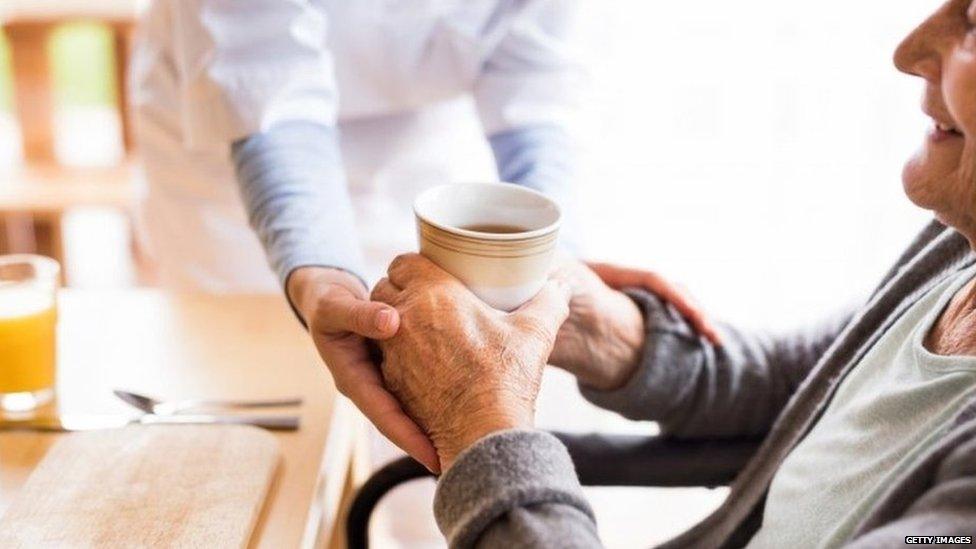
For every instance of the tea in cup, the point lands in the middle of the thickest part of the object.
(499, 239)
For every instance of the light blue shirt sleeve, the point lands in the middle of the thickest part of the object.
(542, 158)
(293, 186)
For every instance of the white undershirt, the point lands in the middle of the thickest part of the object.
(887, 412)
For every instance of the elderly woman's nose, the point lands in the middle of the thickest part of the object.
(918, 55)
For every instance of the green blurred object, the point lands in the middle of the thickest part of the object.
(82, 66)
(6, 101)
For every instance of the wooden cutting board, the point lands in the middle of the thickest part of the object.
(145, 486)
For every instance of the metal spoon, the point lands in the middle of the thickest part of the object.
(159, 407)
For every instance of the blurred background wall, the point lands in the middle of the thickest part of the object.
(86, 186)
(751, 151)
(755, 147)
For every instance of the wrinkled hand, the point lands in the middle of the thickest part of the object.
(340, 318)
(602, 339)
(460, 368)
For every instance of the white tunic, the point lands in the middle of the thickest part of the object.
(414, 85)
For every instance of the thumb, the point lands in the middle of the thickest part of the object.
(371, 319)
(549, 308)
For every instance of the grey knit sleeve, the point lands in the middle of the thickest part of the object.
(514, 489)
(695, 389)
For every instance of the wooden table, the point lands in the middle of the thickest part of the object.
(204, 346)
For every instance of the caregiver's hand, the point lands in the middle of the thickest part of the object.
(340, 318)
(620, 278)
(462, 369)
(601, 342)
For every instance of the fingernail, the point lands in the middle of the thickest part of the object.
(383, 319)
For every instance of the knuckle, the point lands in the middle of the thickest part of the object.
(382, 291)
(536, 328)
(402, 262)
(437, 290)
(445, 288)
(397, 262)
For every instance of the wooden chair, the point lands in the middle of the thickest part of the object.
(34, 198)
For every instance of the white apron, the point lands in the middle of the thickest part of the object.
(194, 228)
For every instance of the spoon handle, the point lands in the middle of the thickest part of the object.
(180, 405)
(274, 423)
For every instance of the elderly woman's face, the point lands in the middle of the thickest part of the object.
(942, 175)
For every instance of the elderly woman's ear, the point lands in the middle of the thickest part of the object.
(461, 369)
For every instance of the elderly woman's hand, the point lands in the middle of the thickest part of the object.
(601, 342)
(461, 369)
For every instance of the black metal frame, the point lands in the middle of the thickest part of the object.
(600, 460)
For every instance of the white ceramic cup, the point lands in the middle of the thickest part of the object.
(504, 269)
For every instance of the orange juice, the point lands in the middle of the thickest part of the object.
(27, 330)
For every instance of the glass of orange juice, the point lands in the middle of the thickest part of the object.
(28, 315)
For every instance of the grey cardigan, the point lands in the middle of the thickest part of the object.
(519, 489)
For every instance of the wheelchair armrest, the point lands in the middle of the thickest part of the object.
(600, 460)
(618, 460)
